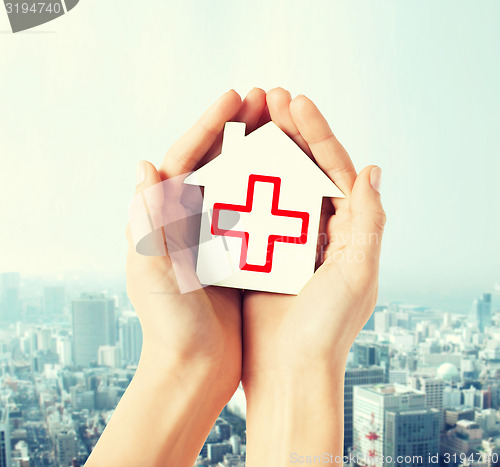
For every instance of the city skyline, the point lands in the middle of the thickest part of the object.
(78, 351)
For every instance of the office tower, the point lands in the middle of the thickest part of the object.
(434, 393)
(452, 397)
(383, 320)
(4, 438)
(66, 447)
(216, 451)
(64, 351)
(130, 339)
(399, 376)
(54, 300)
(367, 354)
(466, 438)
(82, 398)
(480, 314)
(412, 434)
(223, 429)
(469, 369)
(10, 303)
(452, 416)
(93, 326)
(43, 338)
(109, 355)
(370, 405)
(356, 377)
(235, 442)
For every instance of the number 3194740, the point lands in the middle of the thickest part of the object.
(38, 7)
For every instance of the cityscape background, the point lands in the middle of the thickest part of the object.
(411, 87)
(420, 382)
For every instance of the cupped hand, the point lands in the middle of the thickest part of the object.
(314, 330)
(201, 328)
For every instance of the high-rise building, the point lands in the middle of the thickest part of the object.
(43, 339)
(216, 451)
(82, 398)
(109, 355)
(66, 447)
(434, 393)
(10, 303)
(4, 438)
(130, 333)
(453, 415)
(368, 353)
(93, 326)
(64, 350)
(370, 405)
(356, 377)
(54, 300)
(411, 436)
(480, 314)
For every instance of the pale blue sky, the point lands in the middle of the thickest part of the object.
(410, 86)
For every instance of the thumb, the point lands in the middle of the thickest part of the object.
(144, 231)
(366, 207)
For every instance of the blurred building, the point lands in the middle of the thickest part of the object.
(65, 447)
(93, 326)
(130, 336)
(356, 377)
(480, 314)
(370, 405)
(109, 355)
(10, 303)
(54, 301)
(412, 434)
(4, 438)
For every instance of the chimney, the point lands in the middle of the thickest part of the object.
(234, 132)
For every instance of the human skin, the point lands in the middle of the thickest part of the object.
(292, 357)
(190, 363)
(295, 347)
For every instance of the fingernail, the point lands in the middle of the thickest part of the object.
(376, 178)
(141, 172)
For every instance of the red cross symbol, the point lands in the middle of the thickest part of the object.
(275, 211)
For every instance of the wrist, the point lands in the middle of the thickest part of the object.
(195, 374)
(295, 413)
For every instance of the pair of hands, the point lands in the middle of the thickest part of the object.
(266, 340)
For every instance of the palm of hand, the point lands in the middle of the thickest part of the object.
(321, 322)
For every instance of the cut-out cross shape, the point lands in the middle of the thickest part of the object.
(262, 226)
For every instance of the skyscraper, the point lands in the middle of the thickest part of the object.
(66, 447)
(434, 393)
(411, 436)
(10, 304)
(54, 300)
(130, 338)
(4, 438)
(357, 377)
(369, 409)
(93, 326)
(480, 314)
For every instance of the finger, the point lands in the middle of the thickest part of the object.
(251, 109)
(183, 156)
(146, 211)
(368, 215)
(250, 112)
(278, 102)
(264, 118)
(326, 149)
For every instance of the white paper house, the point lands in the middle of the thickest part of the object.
(263, 197)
